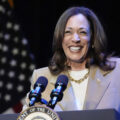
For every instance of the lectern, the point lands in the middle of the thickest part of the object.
(106, 114)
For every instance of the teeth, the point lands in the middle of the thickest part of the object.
(75, 48)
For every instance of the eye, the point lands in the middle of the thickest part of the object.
(67, 31)
(83, 32)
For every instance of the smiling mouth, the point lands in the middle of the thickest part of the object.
(75, 49)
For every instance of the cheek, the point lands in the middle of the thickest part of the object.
(64, 44)
(86, 46)
(86, 40)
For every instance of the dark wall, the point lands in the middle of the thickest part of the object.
(38, 20)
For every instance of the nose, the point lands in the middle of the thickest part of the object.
(76, 38)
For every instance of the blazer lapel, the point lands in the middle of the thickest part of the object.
(97, 85)
(68, 101)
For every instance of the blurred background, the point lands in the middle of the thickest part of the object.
(26, 32)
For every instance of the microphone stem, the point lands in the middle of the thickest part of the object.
(32, 101)
(53, 102)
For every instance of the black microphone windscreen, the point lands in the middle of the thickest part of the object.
(62, 79)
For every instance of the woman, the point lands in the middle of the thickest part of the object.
(79, 46)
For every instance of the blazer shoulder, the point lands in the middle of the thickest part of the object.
(116, 70)
(41, 72)
(116, 60)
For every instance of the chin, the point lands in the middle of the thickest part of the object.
(80, 60)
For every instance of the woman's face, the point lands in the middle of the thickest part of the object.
(76, 38)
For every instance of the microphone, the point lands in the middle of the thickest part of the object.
(39, 87)
(57, 93)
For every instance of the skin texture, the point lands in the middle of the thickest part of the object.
(76, 41)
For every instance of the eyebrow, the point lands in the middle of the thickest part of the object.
(79, 28)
